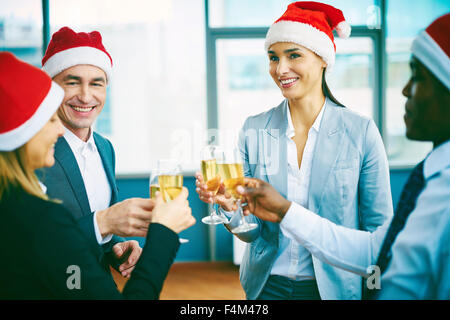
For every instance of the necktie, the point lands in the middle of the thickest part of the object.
(407, 203)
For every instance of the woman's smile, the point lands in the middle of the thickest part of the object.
(288, 82)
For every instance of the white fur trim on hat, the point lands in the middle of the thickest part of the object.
(79, 55)
(343, 29)
(432, 56)
(17, 137)
(304, 35)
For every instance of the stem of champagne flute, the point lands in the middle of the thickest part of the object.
(241, 212)
(218, 214)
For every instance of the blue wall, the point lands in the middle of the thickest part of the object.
(198, 248)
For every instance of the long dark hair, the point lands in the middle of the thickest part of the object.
(327, 92)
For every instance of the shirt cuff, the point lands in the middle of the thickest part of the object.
(43, 187)
(298, 223)
(98, 235)
(228, 214)
(233, 217)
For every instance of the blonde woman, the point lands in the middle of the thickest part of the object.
(40, 260)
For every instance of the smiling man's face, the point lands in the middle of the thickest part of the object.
(85, 95)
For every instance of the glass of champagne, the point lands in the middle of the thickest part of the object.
(154, 184)
(232, 173)
(210, 155)
(170, 181)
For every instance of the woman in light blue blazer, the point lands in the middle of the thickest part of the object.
(316, 153)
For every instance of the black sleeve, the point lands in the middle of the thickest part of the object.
(61, 261)
(86, 224)
(157, 256)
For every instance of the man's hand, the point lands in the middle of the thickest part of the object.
(222, 198)
(128, 252)
(263, 200)
(129, 218)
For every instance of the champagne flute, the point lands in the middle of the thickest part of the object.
(232, 172)
(170, 181)
(154, 184)
(210, 172)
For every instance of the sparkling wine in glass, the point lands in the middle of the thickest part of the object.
(211, 176)
(154, 184)
(232, 173)
(170, 181)
(170, 186)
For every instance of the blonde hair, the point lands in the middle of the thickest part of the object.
(16, 172)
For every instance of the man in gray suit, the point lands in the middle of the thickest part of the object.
(83, 176)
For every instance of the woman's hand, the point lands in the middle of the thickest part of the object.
(129, 252)
(222, 198)
(176, 214)
(263, 200)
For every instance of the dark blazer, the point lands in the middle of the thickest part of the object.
(64, 182)
(39, 252)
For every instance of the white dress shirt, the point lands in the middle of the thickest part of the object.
(293, 260)
(420, 254)
(420, 265)
(94, 176)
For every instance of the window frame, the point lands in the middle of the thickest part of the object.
(377, 35)
(212, 34)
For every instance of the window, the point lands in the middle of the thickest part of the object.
(166, 91)
(156, 99)
(245, 87)
(401, 30)
(357, 80)
(352, 77)
(262, 13)
(241, 67)
(21, 29)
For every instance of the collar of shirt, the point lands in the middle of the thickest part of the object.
(43, 187)
(290, 132)
(437, 160)
(78, 145)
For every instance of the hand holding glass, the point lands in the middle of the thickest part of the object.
(232, 173)
(210, 172)
(168, 180)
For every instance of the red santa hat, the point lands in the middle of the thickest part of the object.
(28, 99)
(432, 48)
(310, 24)
(68, 48)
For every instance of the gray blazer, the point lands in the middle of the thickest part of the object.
(349, 186)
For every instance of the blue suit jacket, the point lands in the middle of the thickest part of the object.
(64, 182)
(349, 186)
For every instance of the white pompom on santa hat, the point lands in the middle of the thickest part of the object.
(68, 48)
(28, 99)
(432, 48)
(310, 24)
